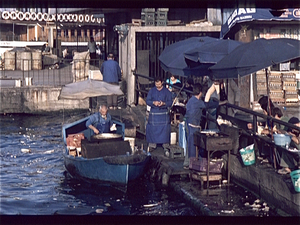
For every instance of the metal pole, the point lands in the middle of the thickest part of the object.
(269, 114)
(56, 33)
(77, 39)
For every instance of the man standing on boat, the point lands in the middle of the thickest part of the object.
(100, 122)
(111, 72)
(158, 128)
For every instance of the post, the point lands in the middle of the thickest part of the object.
(56, 45)
(269, 114)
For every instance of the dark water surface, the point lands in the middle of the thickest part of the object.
(36, 183)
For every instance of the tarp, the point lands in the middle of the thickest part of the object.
(241, 15)
(88, 88)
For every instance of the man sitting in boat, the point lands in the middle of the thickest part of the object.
(100, 122)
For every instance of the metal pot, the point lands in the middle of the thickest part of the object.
(107, 137)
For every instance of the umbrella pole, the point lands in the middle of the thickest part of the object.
(269, 114)
(90, 104)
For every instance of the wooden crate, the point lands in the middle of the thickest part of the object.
(262, 92)
(261, 78)
(289, 77)
(277, 94)
(290, 85)
(279, 101)
(276, 86)
(291, 100)
(261, 86)
(275, 77)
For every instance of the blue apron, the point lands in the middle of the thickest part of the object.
(158, 128)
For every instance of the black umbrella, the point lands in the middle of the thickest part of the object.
(212, 52)
(256, 55)
(172, 58)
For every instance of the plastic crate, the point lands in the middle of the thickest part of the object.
(161, 22)
(161, 15)
(148, 10)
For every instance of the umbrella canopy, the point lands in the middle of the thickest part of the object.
(172, 58)
(256, 55)
(212, 52)
(88, 88)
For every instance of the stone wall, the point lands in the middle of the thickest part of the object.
(36, 100)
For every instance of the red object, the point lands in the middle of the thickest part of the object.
(74, 140)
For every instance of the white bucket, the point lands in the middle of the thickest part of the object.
(131, 142)
(173, 138)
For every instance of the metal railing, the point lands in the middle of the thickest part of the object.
(266, 140)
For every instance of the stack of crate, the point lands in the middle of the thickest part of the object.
(161, 17)
(153, 17)
(275, 85)
(261, 83)
(290, 87)
(148, 17)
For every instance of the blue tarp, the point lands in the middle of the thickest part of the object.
(241, 15)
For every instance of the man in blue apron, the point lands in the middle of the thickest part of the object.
(158, 127)
(100, 122)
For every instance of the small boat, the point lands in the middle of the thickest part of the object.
(103, 157)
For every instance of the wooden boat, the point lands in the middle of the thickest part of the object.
(105, 158)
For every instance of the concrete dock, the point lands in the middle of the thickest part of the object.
(260, 179)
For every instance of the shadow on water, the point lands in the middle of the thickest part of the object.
(140, 197)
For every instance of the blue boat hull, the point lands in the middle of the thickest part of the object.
(98, 170)
(118, 168)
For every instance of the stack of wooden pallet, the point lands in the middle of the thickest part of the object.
(261, 83)
(282, 86)
(275, 85)
(290, 88)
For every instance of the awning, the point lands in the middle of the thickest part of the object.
(242, 15)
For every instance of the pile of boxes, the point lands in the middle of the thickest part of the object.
(289, 84)
(282, 85)
(154, 17)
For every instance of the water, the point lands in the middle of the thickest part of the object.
(34, 181)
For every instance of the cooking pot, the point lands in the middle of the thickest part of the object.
(106, 137)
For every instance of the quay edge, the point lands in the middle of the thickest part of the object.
(263, 180)
(36, 99)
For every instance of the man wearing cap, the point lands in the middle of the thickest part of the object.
(100, 122)
(287, 161)
(111, 72)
